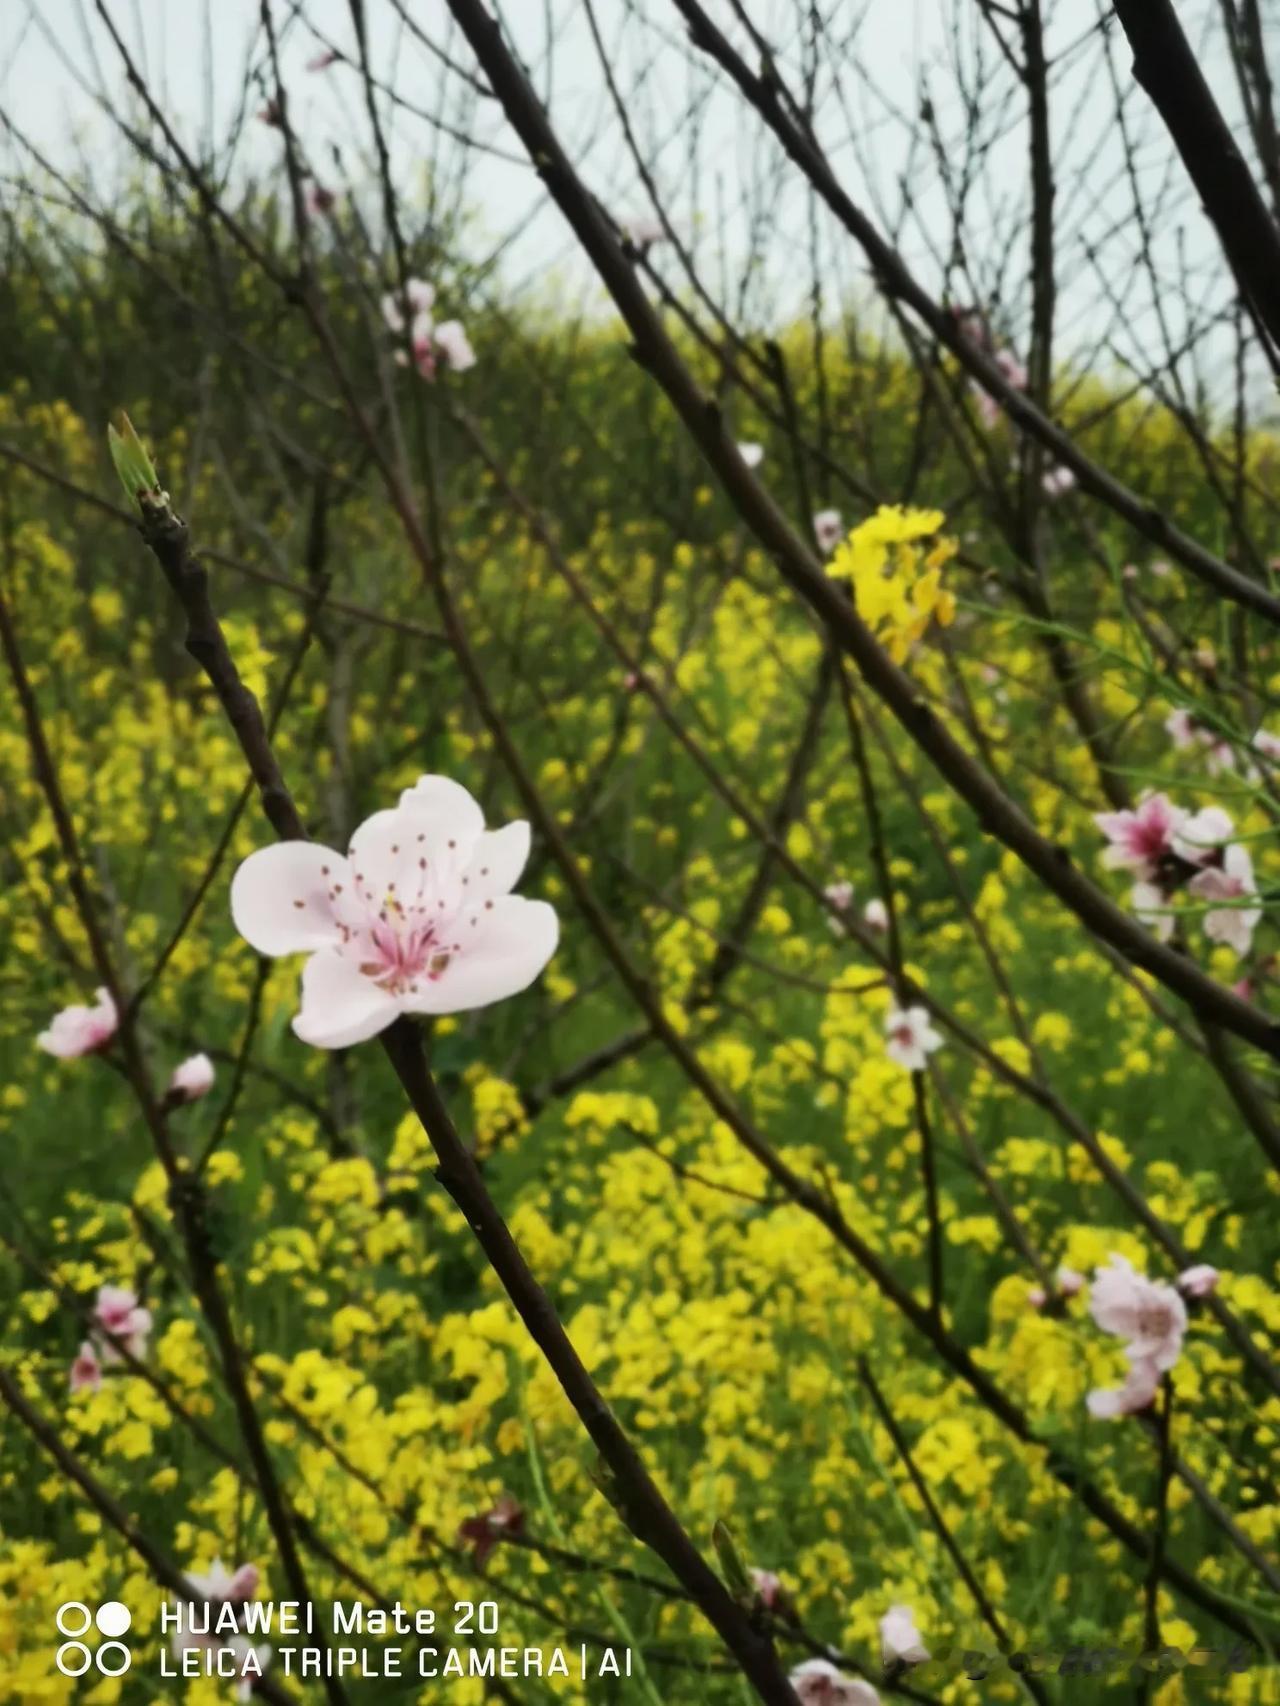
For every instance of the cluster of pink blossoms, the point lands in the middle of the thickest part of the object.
(1170, 850)
(1219, 754)
(119, 1320)
(875, 915)
(973, 324)
(1151, 1317)
(433, 344)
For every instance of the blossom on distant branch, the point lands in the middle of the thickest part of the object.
(122, 1319)
(911, 1037)
(86, 1370)
(751, 454)
(1057, 481)
(900, 1640)
(1151, 1318)
(431, 345)
(828, 529)
(840, 896)
(418, 917)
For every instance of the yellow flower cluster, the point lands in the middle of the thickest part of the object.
(897, 580)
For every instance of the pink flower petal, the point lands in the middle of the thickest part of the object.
(281, 897)
(509, 945)
(340, 1006)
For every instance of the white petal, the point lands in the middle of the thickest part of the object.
(508, 953)
(387, 854)
(496, 864)
(280, 897)
(340, 1006)
(446, 799)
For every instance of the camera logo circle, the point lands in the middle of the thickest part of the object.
(112, 1619)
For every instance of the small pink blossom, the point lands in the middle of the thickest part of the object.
(1139, 840)
(900, 1641)
(322, 61)
(418, 917)
(1069, 1281)
(1056, 482)
(453, 346)
(1198, 1281)
(911, 1038)
(119, 1314)
(769, 1587)
(1129, 572)
(420, 297)
(1160, 569)
(1147, 1314)
(81, 1030)
(86, 1370)
(1037, 1297)
(1139, 1390)
(828, 529)
(840, 896)
(875, 915)
(1232, 925)
(1243, 988)
(192, 1079)
(817, 1682)
(751, 454)
(642, 232)
(1267, 744)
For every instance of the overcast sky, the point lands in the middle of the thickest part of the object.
(717, 174)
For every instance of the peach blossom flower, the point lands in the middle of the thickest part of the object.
(875, 915)
(900, 1641)
(1069, 1281)
(1232, 881)
(118, 1313)
(828, 529)
(1139, 840)
(418, 917)
(81, 1030)
(1057, 482)
(1147, 1314)
(751, 454)
(911, 1037)
(86, 1370)
(817, 1682)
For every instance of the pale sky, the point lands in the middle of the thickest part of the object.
(55, 54)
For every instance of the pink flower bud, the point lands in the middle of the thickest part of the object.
(193, 1079)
